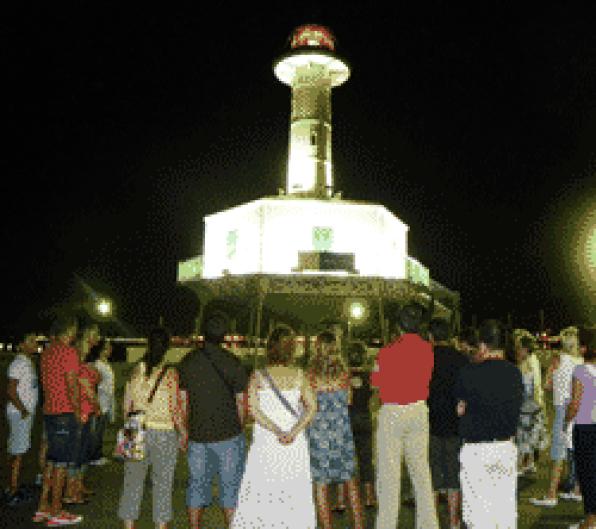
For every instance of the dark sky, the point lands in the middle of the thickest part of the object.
(475, 127)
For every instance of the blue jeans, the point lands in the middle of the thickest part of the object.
(226, 459)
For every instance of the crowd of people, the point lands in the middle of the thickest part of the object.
(466, 413)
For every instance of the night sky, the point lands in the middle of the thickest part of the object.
(477, 128)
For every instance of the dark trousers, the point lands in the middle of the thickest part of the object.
(584, 445)
(98, 430)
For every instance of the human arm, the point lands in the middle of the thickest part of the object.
(13, 396)
(178, 405)
(554, 365)
(73, 392)
(240, 408)
(576, 398)
(309, 398)
(255, 410)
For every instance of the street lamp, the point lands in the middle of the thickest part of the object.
(104, 307)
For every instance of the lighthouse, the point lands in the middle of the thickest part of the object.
(311, 68)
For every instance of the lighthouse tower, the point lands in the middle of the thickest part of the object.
(312, 69)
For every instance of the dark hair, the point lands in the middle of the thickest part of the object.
(357, 354)
(216, 326)
(470, 336)
(95, 351)
(587, 339)
(61, 325)
(440, 329)
(411, 317)
(491, 334)
(526, 342)
(158, 343)
(276, 354)
(332, 365)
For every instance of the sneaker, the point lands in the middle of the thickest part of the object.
(41, 516)
(64, 518)
(544, 502)
(572, 496)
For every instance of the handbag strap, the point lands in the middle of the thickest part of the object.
(217, 370)
(157, 382)
(278, 393)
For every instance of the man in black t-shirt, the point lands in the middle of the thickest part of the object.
(489, 396)
(445, 442)
(214, 381)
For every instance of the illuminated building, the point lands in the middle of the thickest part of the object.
(307, 254)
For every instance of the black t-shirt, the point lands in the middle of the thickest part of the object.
(442, 403)
(361, 393)
(493, 392)
(213, 415)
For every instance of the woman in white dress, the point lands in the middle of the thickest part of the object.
(276, 489)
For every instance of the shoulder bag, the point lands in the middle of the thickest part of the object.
(275, 389)
(130, 440)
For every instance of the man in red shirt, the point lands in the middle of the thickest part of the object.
(62, 414)
(402, 373)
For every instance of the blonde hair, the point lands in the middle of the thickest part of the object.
(570, 340)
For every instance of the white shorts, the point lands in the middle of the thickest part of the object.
(19, 436)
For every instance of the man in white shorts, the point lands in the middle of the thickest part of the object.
(22, 392)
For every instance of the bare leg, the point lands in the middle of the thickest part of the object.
(369, 492)
(161, 525)
(15, 470)
(129, 524)
(323, 505)
(46, 486)
(341, 496)
(43, 452)
(355, 503)
(454, 507)
(228, 515)
(58, 479)
(194, 518)
(555, 478)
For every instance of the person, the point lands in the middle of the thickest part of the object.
(99, 356)
(489, 396)
(560, 373)
(88, 380)
(402, 373)
(154, 389)
(22, 393)
(276, 489)
(214, 383)
(531, 430)
(582, 412)
(60, 366)
(331, 442)
(445, 442)
(361, 422)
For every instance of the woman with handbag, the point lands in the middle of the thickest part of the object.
(276, 489)
(153, 393)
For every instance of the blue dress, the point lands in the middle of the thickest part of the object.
(332, 453)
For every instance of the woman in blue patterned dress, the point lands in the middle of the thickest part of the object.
(332, 451)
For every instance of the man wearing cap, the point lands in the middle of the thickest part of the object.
(402, 373)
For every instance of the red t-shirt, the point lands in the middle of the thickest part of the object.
(404, 370)
(57, 360)
(92, 376)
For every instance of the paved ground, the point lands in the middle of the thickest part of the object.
(107, 481)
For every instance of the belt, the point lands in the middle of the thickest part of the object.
(495, 440)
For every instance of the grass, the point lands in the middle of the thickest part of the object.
(107, 481)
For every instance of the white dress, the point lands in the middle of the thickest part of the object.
(276, 489)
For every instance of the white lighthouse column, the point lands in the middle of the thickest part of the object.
(311, 68)
(309, 163)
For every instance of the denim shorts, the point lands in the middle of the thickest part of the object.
(62, 436)
(225, 459)
(558, 448)
(19, 436)
(82, 445)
